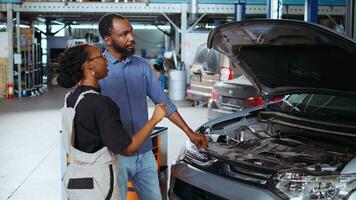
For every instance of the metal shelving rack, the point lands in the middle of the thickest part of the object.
(31, 71)
(158, 7)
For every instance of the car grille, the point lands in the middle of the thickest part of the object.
(189, 192)
(249, 174)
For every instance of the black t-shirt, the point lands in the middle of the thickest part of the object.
(97, 122)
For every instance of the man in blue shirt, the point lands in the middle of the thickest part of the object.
(129, 82)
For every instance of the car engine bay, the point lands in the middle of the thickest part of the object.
(253, 145)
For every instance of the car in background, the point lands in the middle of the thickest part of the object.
(232, 95)
(209, 66)
(302, 147)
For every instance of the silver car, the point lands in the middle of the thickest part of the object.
(232, 95)
(299, 148)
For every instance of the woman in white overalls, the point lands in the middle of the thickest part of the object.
(93, 132)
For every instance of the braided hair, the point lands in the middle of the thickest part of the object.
(71, 65)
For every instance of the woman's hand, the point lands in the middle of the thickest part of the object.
(139, 137)
(159, 112)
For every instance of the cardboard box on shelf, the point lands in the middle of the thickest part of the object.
(4, 75)
(25, 36)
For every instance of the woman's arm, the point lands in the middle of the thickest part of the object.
(139, 137)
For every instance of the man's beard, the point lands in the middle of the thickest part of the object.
(124, 51)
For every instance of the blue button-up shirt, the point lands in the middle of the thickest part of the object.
(128, 84)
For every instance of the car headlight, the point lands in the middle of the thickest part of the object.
(299, 186)
(190, 153)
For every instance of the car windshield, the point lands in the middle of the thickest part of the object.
(319, 107)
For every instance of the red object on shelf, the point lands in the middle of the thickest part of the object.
(10, 91)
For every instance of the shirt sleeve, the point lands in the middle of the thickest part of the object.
(156, 92)
(111, 130)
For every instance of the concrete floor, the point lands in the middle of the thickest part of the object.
(29, 144)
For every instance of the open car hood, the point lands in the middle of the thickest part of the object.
(286, 56)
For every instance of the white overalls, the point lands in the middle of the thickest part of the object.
(89, 176)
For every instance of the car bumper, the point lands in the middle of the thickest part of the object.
(188, 182)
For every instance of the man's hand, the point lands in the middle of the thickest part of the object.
(198, 139)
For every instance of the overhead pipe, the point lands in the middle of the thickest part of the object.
(350, 12)
(311, 11)
(240, 10)
(268, 9)
(10, 33)
(193, 10)
(274, 9)
(18, 45)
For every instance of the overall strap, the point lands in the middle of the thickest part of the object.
(81, 96)
(65, 98)
(68, 120)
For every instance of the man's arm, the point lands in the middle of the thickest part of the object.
(196, 138)
(156, 93)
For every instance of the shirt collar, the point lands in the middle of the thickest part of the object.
(114, 60)
(87, 87)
